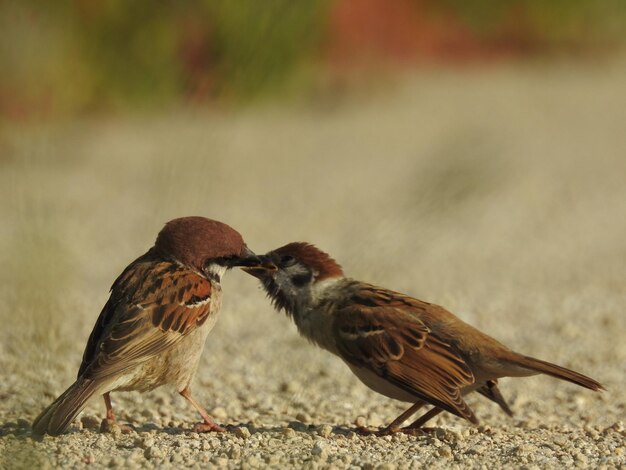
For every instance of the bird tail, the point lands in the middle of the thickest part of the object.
(537, 365)
(56, 418)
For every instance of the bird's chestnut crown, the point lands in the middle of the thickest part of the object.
(290, 273)
(321, 265)
(198, 241)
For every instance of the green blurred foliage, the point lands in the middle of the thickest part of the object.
(257, 43)
(129, 49)
(143, 49)
(75, 56)
(80, 55)
(549, 24)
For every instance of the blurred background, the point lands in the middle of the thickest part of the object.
(469, 153)
(81, 57)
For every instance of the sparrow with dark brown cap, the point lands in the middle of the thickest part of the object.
(399, 346)
(152, 330)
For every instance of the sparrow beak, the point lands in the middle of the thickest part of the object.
(247, 258)
(263, 268)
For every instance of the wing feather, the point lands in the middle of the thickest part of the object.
(153, 305)
(383, 332)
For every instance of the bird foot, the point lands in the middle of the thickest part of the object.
(208, 427)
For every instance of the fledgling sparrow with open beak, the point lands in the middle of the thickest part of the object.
(398, 346)
(152, 330)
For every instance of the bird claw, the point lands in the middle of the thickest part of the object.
(208, 427)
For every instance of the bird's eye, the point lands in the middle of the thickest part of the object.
(287, 260)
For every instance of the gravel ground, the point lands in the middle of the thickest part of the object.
(499, 194)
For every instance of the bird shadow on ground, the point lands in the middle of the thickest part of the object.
(21, 429)
(295, 426)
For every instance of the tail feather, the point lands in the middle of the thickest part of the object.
(559, 372)
(56, 418)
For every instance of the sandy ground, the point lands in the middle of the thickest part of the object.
(500, 195)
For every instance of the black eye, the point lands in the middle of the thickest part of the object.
(287, 260)
(300, 280)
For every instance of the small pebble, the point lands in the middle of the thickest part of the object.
(242, 432)
(445, 451)
(319, 450)
(117, 461)
(360, 422)
(234, 452)
(303, 418)
(153, 453)
(273, 459)
(219, 461)
(145, 442)
(252, 462)
(325, 430)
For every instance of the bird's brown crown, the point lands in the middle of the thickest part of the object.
(313, 257)
(195, 240)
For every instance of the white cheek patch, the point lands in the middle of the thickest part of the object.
(216, 270)
(321, 289)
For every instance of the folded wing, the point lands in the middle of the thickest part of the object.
(153, 305)
(383, 332)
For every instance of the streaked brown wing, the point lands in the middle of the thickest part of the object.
(152, 306)
(380, 332)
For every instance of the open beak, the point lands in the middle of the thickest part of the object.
(261, 269)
